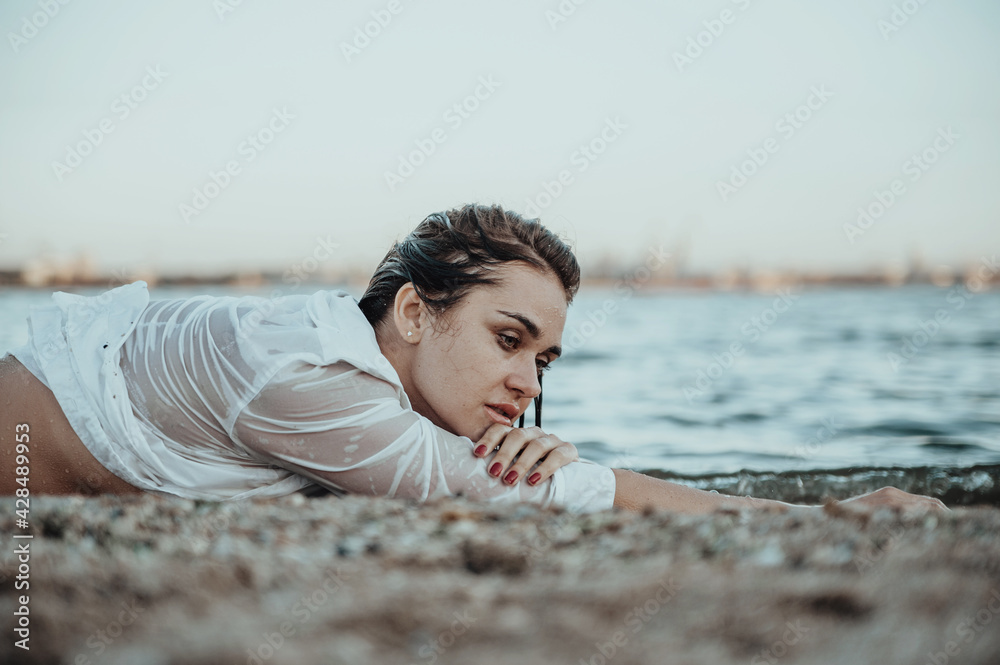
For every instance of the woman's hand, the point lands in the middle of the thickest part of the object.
(533, 445)
(890, 497)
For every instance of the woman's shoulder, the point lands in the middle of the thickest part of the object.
(323, 310)
(322, 328)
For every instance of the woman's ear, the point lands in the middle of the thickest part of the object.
(409, 314)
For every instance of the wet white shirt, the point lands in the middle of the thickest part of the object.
(230, 398)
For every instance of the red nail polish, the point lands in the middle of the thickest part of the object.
(535, 477)
(481, 450)
(496, 469)
(510, 477)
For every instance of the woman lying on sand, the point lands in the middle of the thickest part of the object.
(412, 392)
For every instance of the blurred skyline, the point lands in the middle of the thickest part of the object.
(207, 137)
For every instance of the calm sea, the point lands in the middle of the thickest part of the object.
(782, 386)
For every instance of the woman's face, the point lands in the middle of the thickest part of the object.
(480, 365)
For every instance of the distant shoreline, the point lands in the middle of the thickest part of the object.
(724, 281)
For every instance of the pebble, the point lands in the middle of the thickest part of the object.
(539, 581)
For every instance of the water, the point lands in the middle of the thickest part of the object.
(814, 389)
(810, 388)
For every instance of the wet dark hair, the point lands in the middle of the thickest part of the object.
(449, 253)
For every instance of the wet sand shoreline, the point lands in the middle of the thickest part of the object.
(295, 580)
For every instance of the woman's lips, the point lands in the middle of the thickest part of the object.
(496, 412)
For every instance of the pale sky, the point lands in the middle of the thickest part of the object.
(880, 94)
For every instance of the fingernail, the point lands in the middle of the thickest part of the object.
(510, 477)
(534, 478)
(496, 469)
(481, 450)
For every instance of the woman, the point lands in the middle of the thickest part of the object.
(413, 392)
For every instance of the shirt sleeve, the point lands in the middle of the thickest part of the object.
(350, 432)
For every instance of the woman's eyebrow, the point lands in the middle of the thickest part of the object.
(532, 329)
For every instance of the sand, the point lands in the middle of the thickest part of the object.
(147, 580)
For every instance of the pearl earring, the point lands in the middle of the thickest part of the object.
(409, 333)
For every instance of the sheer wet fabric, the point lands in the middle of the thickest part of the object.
(235, 397)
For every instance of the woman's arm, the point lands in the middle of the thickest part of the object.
(349, 431)
(635, 491)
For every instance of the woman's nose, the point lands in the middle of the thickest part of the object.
(524, 379)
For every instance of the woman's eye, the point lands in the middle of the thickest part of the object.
(543, 366)
(508, 341)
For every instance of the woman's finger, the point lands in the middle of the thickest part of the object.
(556, 459)
(510, 441)
(890, 497)
(547, 447)
(492, 438)
(518, 441)
(529, 445)
(535, 450)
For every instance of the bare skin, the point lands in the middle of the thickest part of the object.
(451, 368)
(59, 463)
(481, 353)
(489, 351)
(635, 491)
